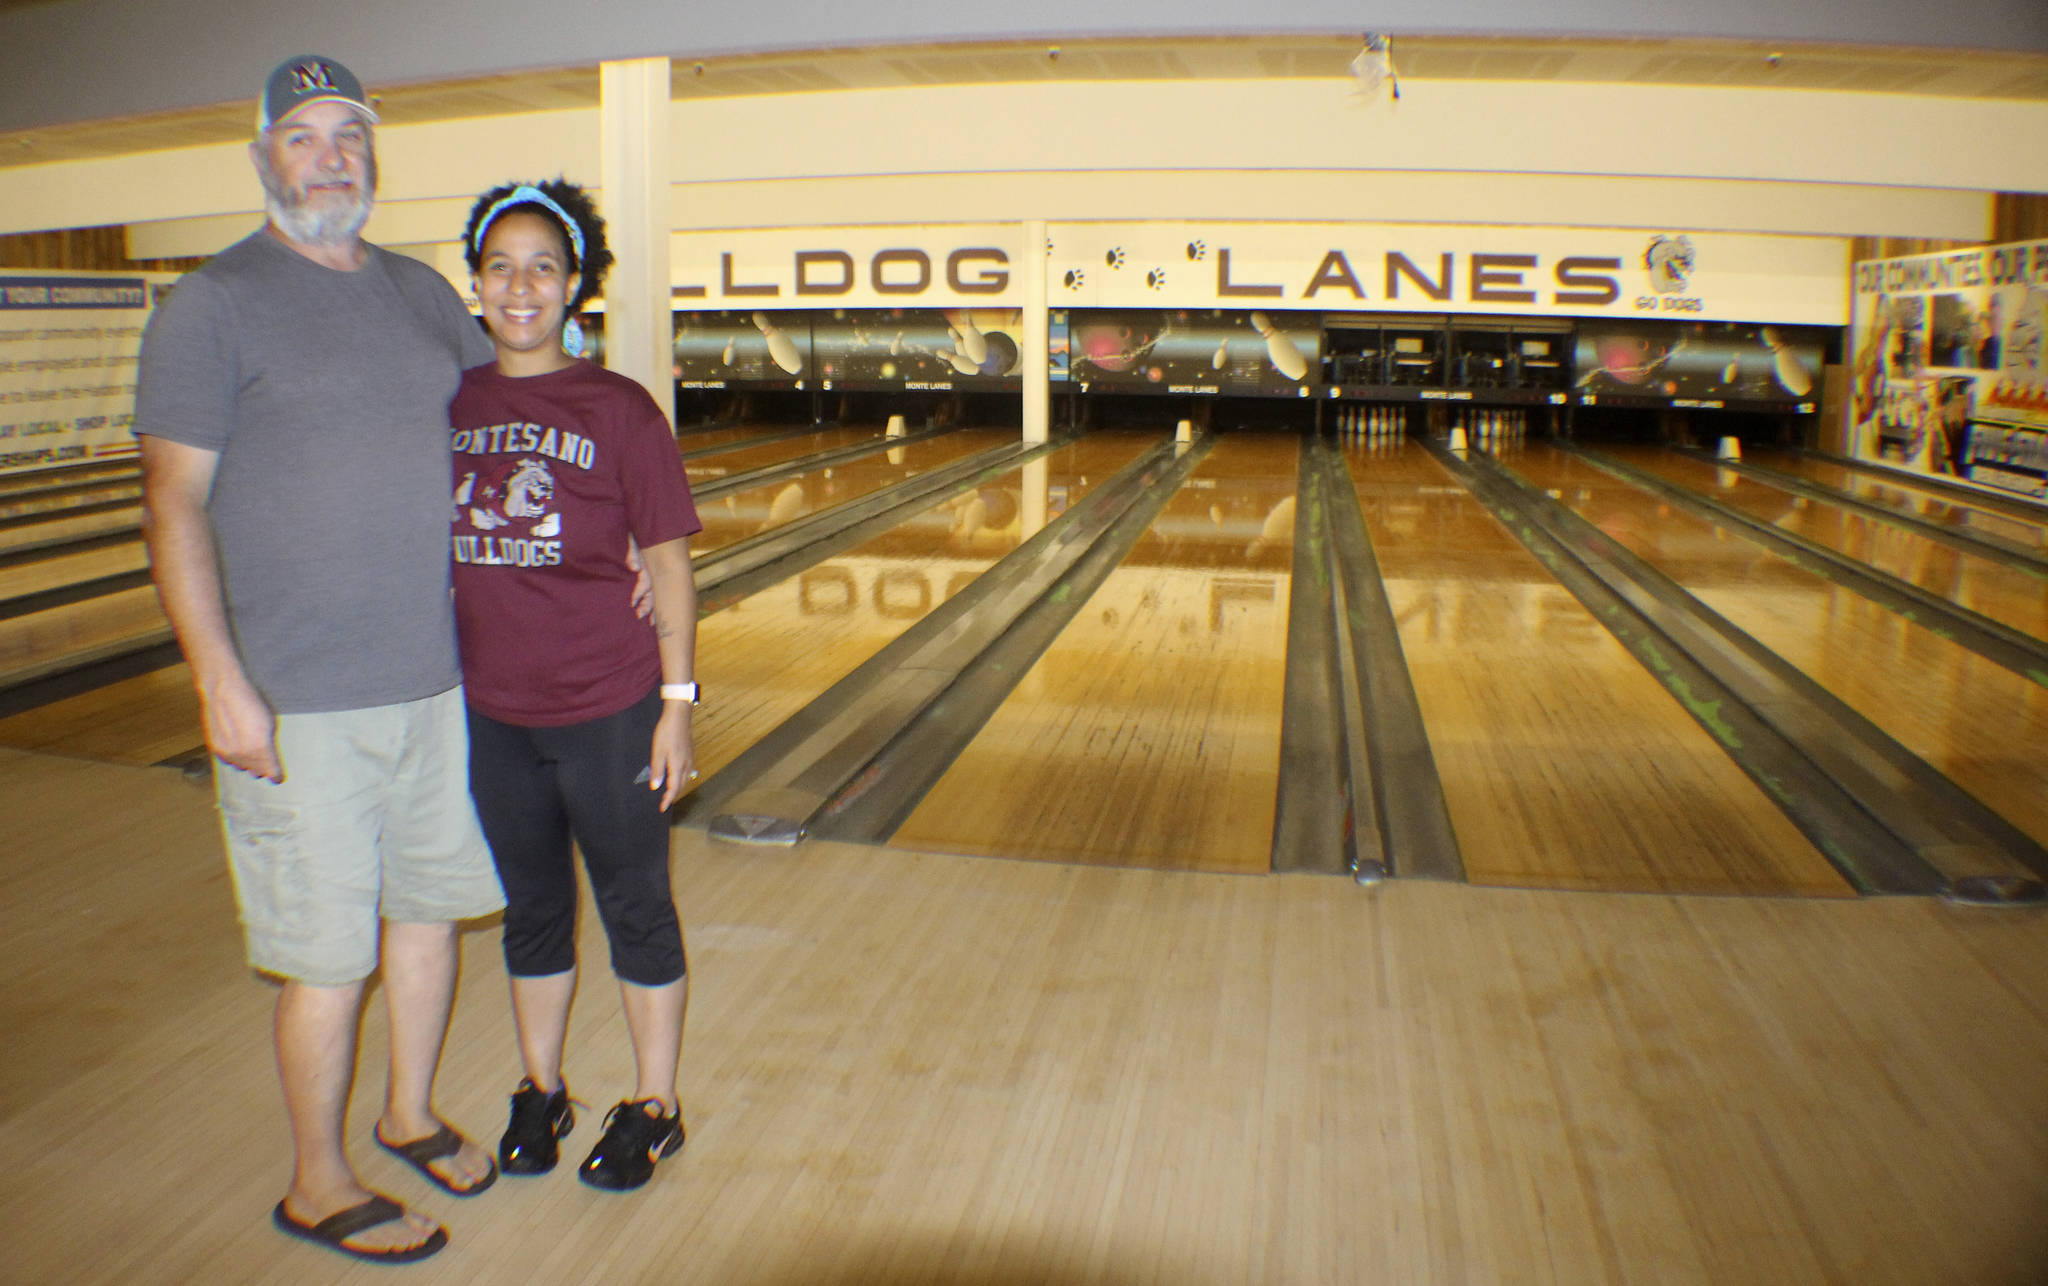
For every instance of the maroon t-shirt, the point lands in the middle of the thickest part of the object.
(552, 474)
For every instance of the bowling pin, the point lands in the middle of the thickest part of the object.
(727, 359)
(1222, 356)
(782, 350)
(1286, 358)
(972, 342)
(1792, 375)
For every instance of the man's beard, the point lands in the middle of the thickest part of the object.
(327, 224)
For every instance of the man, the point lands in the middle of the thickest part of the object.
(292, 412)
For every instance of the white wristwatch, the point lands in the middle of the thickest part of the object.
(680, 692)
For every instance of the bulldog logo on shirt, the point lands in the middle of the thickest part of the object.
(519, 495)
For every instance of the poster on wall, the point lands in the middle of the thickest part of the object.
(717, 349)
(68, 346)
(1947, 370)
(1199, 351)
(918, 348)
(1737, 366)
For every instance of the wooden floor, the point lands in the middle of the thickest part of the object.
(911, 1068)
(749, 511)
(1897, 490)
(766, 657)
(2005, 594)
(1564, 763)
(1980, 723)
(1148, 734)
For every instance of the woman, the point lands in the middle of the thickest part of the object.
(579, 712)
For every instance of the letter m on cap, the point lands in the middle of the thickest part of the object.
(307, 77)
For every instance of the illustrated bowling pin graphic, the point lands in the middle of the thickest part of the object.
(782, 350)
(727, 358)
(958, 361)
(896, 345)
(1286, 358)
(1222, 356)
(969, 342)
(1792, 374)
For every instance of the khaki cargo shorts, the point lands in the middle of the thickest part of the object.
(373, 821)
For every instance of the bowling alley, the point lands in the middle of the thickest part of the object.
(1298, 646)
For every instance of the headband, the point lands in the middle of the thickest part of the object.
(525, 194)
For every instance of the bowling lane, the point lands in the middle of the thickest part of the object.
(144, 720)
(737, 515)
(760, 660)
(51, 499)
(36, 575)
(30, 480)
(59, 525)
(688, 439)
(1564, 763)
(30, 644)
(1148, 734)
(766, 657)
(740, 459)
(1989, 588)
(1901, 494)
(1978, 722)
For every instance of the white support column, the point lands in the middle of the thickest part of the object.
(1037, 396)
(634, 130)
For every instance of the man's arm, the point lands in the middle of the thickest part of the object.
(176, 479)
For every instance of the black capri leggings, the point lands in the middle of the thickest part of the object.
(535, 788)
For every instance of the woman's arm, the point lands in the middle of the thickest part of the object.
(672, 758)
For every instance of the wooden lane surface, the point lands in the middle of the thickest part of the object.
(142, 720)
(59, 570)
(1978, 722)
(712, 467)
(768, 656)
(1989, 588)
(1565, 764)
(737, 515)
(910, 1068)
(1148, 734)
(1901, 493)
(59, 525)
(40, 479)
(688, 439)
(764, 658)
(80, 627)
(87, 492)
(30, 642)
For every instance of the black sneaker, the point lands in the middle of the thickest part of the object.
(538, 1119)
(636, 1135)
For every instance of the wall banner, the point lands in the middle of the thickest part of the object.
(1447, 268)
(1948, 373)
(940, 266)
(68, 345)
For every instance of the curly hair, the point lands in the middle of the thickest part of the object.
(597, 256)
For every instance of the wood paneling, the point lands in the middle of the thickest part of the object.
(916, 1069)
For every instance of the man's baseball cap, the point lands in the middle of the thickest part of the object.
(309, 78)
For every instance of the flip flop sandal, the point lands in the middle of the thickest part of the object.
(333, 1231)
(444, 1142)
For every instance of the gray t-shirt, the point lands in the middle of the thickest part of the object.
(325, 394)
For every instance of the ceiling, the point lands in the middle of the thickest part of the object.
(1728, 64)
